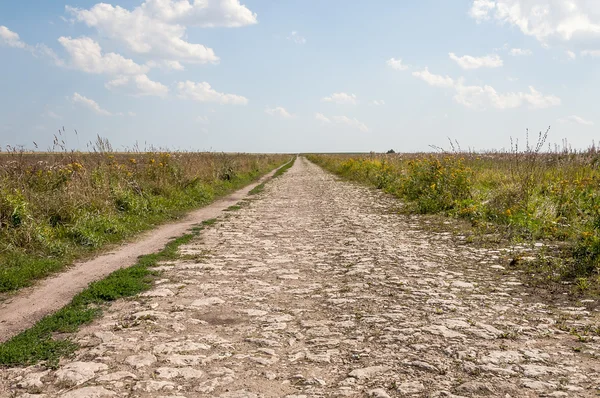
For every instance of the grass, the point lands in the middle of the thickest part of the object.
(260, 187)
(61, 206)
(523, 196)
(39, 343)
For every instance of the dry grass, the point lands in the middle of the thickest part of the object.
(60, 205)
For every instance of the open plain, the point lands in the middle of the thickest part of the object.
(317, 289)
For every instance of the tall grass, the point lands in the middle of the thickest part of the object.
(61, 205)
(526, 194)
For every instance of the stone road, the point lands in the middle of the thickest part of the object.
(316, 289)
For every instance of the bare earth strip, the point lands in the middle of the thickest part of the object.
(24, 309)
(316, 290)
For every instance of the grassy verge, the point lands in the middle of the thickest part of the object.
(56, 208)
(38, 344)
(521, 197)
(260, 187)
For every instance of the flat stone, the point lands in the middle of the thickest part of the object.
(120, 375)
(378, 393)
(180, 347)
(411, 387)
(206, 302)
(366, 373)
(79, 372)
(32, 380)
(89, 392)
(140, 360)
(186, 373)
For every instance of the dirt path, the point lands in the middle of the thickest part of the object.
(28, 306)
(315, 290)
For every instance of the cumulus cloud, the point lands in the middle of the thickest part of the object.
(470, 62)
(576, 120)
(396, 64)
(9, 38)
(278, 111)
(341, 98)
(482, 97)
(322, 118)
(515, 52)
(203, 92)
(202, 13)
(543, 19)
(571, 54)
(434, 80)
(86, 55)
(350, 122)
(157, 28)
(138, 86)
(296, 38)
(90, 104)
(354, 123)
(378, 102)
(481, 9)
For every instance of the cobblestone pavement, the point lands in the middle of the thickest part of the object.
(317, 290)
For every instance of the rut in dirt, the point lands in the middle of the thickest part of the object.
(317, 289)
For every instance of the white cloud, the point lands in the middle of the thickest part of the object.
(515, 52)
(52, 115)
(590, 53)
(378, 102)
(434, 80)
(543, 19)
(470, 62)
(481, 9)
(482, 97)
(10, 39)
(296, 38)
(138, 86)
(322, 118)
(132, 114)
(166, 64)
(156, 28)
(202, 119)
(571, 54)
(204, 93)
(354, 123)
(90, 104)
(278, 111)
(575, 119)
(86, 55)
(341, 98)
(396, 64)
(202, 13)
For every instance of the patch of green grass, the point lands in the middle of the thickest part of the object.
(284, 168)
(233, 208)
(261, 187)
(257, 189)
(38, 344)
(44, 228)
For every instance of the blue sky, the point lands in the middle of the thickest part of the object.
(299, 76)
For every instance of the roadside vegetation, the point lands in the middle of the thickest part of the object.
(260, 187)
(59, 206)
(42, 342)
(531, 194)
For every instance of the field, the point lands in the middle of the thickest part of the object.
(519, 196)
(59, 206)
